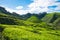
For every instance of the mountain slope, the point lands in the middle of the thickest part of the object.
(42, 26)
(51, 17)
(33, 19)
(8, 18)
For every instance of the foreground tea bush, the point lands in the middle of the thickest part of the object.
(22, 33)
(19, 34)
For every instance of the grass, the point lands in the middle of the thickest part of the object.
(16, 32)
(31, 29)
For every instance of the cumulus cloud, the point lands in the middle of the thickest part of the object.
(41, 5)
(19, 7)
(38, 6)
(8, 9)
(17, 11)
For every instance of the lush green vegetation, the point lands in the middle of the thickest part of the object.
(30, 26)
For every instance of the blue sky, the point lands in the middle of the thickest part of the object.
(57, 0)
(15, 3)
(32, 6)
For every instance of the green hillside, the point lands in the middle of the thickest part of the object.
(33, 19)
(14, 32)
(51, 17)
(9, 19)
(48, 17)
(44, 26)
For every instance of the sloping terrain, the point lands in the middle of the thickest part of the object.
(51, 17)
(14, 32)
(43, 26)
(9, 19)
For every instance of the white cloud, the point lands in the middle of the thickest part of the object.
(17, 11)
(10, 10)
(21, 11)
(40, 5)
(58, 8)
(19, 7)
(36, 6)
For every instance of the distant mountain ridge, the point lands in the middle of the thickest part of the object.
(44, 17)
(40, 15)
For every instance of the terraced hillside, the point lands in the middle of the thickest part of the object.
(14, 32)
(45, 26)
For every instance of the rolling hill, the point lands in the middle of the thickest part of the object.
(42, 26)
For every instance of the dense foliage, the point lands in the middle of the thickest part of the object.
(40, 26)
